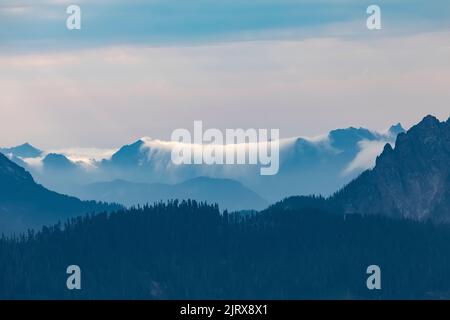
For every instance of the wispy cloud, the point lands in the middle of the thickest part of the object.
(86, 155)
(366, 157)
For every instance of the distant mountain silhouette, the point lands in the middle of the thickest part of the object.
(307, 166)
(54, 161)
(321, 166)
(410, 181)
(25, 150)
(347, 139)
(395, 130)
(129, 155)
(228, 194)
(25, 204)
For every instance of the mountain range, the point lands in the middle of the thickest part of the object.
(319, 165)
(156, 251)
(409, 180)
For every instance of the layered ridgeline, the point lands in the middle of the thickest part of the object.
(228, 194)
(300, 248)
(25, 204)
(411, 180)
(318, 165)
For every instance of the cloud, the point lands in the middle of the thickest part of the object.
(85, 155)
(366, 157)
(34, 163)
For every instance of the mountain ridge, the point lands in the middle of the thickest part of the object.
(411, 180)
(24, 204)
(228, 194)
(307, 165)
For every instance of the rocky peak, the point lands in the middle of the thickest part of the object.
(412, 180)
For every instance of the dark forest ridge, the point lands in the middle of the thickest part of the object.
(187, 250)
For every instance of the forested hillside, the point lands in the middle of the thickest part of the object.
(189, 250)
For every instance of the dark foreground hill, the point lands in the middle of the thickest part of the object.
(25, 204)
(190, 251)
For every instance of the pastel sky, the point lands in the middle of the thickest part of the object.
(144, 68)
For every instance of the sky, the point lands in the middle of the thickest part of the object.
(145, 68)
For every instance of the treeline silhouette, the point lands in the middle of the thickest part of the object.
(189, 250)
